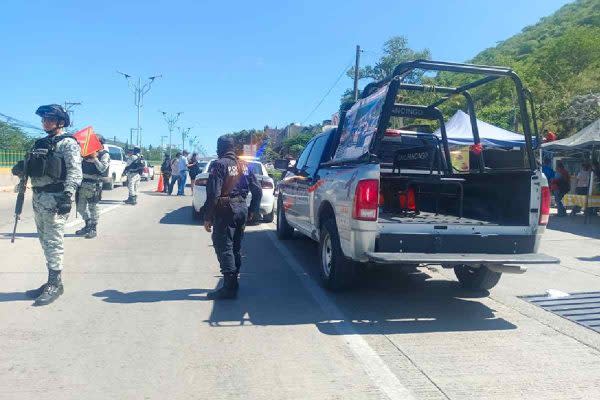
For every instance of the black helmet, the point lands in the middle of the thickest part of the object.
(136, 150)
(225, 144)
(54, 111)
(100, 138)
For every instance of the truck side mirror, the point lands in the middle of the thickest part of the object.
(281, 165)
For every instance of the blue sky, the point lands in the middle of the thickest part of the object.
(226, 65)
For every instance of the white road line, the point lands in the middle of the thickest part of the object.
(374, 366)
(102, 211)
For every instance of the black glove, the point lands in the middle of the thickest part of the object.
(63, 203)
(18, 168)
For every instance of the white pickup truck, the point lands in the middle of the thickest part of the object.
(115, 168)
(371, 194)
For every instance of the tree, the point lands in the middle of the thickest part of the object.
(12, 138)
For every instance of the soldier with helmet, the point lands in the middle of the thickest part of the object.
(94, 168)
(54, 167)
(134, 169)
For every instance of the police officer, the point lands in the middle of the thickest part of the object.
(226, 212)
(134, 168)
(94, 167)
(54, 166)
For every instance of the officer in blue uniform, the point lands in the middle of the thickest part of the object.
(226, 212)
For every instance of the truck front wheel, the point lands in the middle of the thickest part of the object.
(337, 272)
(481, 278)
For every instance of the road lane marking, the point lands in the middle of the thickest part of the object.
(102, 211)
(373, 365)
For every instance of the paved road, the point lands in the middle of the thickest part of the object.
(134, 323)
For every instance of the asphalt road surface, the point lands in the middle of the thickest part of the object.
(134, 322)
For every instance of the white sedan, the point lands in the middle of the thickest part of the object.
(267, 202)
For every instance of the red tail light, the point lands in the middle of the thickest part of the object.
(408, 200)
(381, 199)
(200, 182)
(366, 200)
(266, 184)
(545, 206)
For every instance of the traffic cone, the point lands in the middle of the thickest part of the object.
(161, 185)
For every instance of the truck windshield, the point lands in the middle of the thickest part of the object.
(115, 153)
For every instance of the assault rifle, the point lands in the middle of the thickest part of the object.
(20, 198)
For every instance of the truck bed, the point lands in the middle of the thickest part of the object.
(430, 218)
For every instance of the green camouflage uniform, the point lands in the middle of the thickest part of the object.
(87, 196)
(50, 225)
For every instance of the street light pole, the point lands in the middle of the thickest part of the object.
(162, 142)
(171, 120)
(139, 91)
(184, 133)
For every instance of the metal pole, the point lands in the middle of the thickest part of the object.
(356, 64)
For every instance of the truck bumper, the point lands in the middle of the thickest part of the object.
(496, 261)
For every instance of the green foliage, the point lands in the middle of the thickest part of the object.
(12, 138)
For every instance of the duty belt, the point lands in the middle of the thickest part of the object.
(90, 180)
(52, 188)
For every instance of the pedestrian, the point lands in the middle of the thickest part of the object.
(547, 169)
(175, 177)
(229, 182)
(165, 170)
(183, 171)
(583, 184)
(94, 168)
(194, 169)
(134, 168)
(54, 166)
(562, 186)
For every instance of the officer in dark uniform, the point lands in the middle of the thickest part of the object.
(229, 182)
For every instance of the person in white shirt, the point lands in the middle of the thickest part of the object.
(175, 177)
(583, 184)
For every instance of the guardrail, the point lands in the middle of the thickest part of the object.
(8, 158)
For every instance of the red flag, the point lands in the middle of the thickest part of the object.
(88, 141)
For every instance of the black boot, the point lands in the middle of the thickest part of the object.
(129, 200)
(83, 230)
(52, 290)
(35, 293)
(227, 291)
(133, 200)
(91, 233)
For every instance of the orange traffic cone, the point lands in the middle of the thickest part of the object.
(161, 185)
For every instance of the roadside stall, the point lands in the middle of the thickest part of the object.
(584, 146)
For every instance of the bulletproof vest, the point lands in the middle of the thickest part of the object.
(236, 180)
(89, 168)
(137, 165)
(43, 161)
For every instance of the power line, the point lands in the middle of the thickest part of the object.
(346, 68)
(20, 124)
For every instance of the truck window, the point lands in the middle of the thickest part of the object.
(314, 159)
(304, 156)
(115, 153)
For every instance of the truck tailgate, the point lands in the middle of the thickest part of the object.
(457, 258)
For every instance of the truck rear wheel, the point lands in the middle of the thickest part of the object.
(337, 272)
(481, 278)
(284, 230)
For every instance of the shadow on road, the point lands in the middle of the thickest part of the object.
(13, 296)
(575, 226)
(590, 259)
(388, 300)
(150, 296)
(181, 216)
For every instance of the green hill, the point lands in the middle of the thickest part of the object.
(559, 60)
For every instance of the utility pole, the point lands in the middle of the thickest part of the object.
(69, 106)
(131, 136)
(139, 91)
(356, 65)
(171, 120)
(162, 142)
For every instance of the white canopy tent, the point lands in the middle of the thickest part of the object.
(460, 132)
(588, 137)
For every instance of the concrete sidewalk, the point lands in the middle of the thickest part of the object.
(7, 180)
